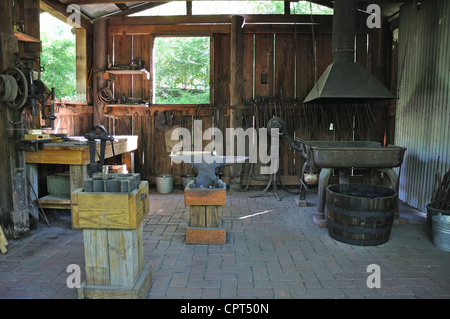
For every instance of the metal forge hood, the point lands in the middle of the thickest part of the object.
(345, 80)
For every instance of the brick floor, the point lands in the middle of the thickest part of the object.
(273, 250)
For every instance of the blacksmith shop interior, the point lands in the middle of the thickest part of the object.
(225, 150)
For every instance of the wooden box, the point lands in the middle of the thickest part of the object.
(206, 225)
(205, 216)
(114, 264)
(205, 196)
(206, 235)
(110, 210)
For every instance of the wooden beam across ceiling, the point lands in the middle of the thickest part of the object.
(136, 8)
(121, 6)
(325, 2)
(59, 10)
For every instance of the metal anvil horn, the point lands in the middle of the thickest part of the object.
(206, 164)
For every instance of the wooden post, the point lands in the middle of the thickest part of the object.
(287, 7)
(81, 63)
(236, 85)
(189, 8)
(100, 64)
(13, 199)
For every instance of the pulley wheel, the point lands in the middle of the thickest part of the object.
(8, 88)
(22, 88)
(163, 121)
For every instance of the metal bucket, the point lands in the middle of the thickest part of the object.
(441, 231)
(431, 211)
(164, 183)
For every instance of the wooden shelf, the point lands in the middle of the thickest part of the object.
(145, 73)
(127, 105)
(55, 201)
(25, 37)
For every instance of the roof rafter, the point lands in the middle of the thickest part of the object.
(322, 2)
(136, 8)
(59, 10)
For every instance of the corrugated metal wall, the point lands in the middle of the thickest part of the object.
(423, 108)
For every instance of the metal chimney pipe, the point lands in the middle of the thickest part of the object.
(344, 30)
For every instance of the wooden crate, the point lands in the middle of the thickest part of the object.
(110, 210)
(205, 196)
(206, 235)
(206, 225)
(138, 291)
(113, 257)
(114, 264)
(205, 216)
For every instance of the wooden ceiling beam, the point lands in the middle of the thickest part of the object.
(59, 10)
(137, 8)
(322, 2)
(121, 6)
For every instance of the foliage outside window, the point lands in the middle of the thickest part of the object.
(235, 7)
(181, 70)
(58, 56)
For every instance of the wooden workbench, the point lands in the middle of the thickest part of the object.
(75, 153)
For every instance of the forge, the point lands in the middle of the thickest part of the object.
(347, 155)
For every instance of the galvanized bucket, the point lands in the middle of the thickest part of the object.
(164, 183)
(441, 231)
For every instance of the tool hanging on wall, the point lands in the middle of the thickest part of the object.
(163, 121)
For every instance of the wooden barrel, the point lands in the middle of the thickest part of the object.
(360, 214)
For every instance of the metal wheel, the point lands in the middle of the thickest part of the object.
(8, 88)
(22, 88)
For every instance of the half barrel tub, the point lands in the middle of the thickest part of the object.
(360, 214)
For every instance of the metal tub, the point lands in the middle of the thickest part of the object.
(358, 154)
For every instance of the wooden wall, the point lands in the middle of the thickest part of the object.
(286, 54)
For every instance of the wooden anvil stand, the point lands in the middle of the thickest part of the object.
(205, 196)
(206, 225)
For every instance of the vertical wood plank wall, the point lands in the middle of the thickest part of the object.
(286, 57)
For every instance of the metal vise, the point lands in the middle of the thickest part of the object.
(95, 167)
(206, 164)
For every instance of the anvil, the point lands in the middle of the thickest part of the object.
(206, 164)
